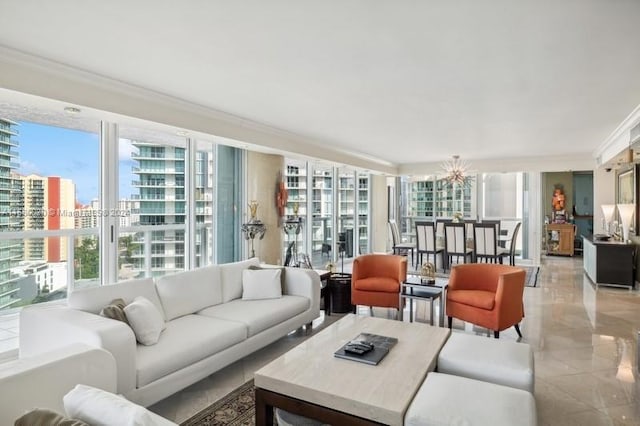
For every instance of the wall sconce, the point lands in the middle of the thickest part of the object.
(608, 210)
(626, 216)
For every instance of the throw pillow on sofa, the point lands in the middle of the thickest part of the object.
(281, 268)
(101, 408)
(45, 417)
(115, 310)
(145, 320)
(231, 275)
(261, 284)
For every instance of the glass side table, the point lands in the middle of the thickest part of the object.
(413, 289)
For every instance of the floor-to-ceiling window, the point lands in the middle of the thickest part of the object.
(322, 214)
(48, 178)
(229, 196)
(205, 166)
(52, 204)
(502, 198)
(295, 180)
(430, 198)
(363, 214)
(152, 184)
(329, 199)
(346, 211)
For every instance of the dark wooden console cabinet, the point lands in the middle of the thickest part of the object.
(609, 262)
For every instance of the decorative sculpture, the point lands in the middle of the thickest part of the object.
(428, 273)
(281, 198)
(557, 202)
(254, 228)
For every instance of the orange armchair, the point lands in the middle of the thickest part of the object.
(376, 278)
(488, 295)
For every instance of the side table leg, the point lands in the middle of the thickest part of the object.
(410, 310)
(442, 297)
(431, 311)
(264, 412)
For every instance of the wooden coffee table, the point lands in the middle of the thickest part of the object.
(309, 381)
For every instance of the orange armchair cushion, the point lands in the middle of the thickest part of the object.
(387, 285)
(476, 298)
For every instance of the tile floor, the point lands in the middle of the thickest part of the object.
(584, 340)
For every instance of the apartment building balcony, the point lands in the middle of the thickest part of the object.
(10, 142)
(7, 151)
(156, 184)
(7, 130)
(168, 156)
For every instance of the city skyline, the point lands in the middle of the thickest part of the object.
(37, 156)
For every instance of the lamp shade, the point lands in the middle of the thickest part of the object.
(607, 210)
(626, 216)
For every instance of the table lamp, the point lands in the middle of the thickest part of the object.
(607, 210)
(626, 216)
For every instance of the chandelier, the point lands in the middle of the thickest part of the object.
(457, 172)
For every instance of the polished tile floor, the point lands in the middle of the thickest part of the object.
(584, 341)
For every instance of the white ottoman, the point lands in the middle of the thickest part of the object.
(490, 360)
(452, 400)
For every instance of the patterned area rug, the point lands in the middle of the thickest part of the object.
(235, 409)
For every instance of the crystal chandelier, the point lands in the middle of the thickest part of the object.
(457, 172)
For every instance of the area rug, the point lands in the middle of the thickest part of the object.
(234, 409)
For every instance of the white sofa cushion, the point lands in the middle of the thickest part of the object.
(145, 320)
(491, 360)
(95, 298)
(102, 408)
(187, 292)
(258, 315)
(186, 340)
(231, 274)
(261, 284)
(452, 400)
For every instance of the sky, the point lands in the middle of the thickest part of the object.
(70, 154)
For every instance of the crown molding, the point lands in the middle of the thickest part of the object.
(34, 75)
(618, 140)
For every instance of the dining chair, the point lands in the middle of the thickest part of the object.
(440, 225)
(485, 243)
(399, 247)
(427, 242)
(455, 242)
(496, 223)
(512, 246)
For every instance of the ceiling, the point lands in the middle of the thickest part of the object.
(400, 81)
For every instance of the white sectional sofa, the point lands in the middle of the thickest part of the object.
(208, 325)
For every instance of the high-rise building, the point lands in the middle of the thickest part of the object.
(49, 203)
(88, 216)
(161, 197)
(10, 217)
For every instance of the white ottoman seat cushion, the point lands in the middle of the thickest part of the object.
(452, 400)
(490, 360)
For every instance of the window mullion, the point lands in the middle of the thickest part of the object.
(108, 202)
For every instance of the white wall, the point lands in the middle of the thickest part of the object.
(604, 192)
